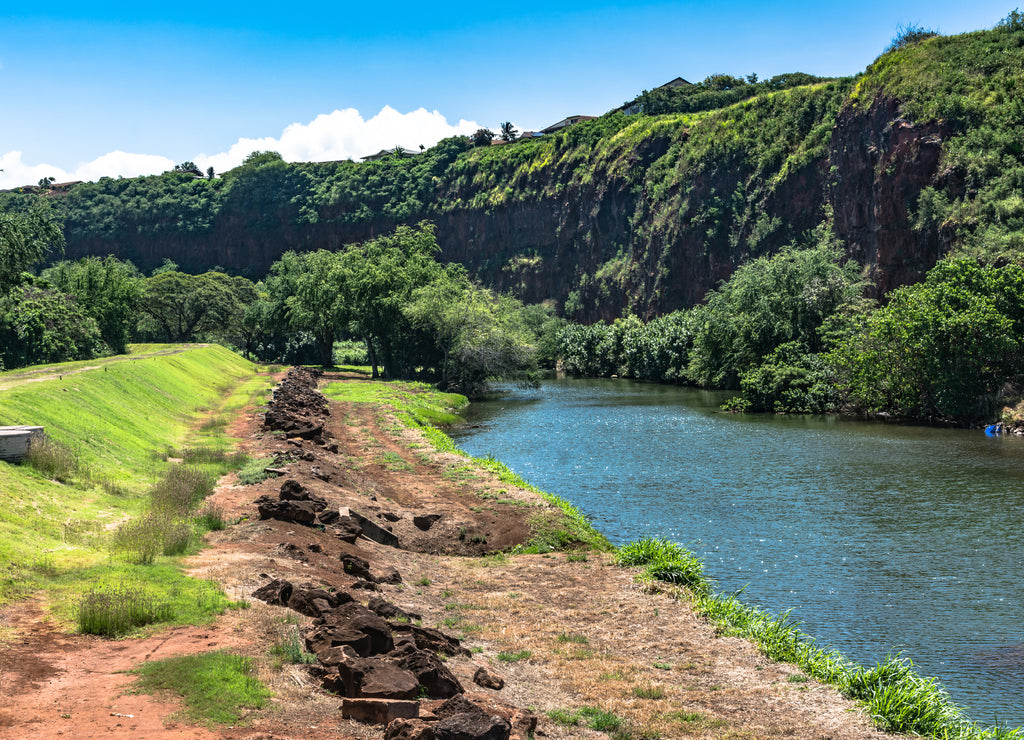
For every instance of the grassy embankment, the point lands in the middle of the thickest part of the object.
(118, 424)
(894, 694)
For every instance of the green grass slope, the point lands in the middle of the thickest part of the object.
(121, 419)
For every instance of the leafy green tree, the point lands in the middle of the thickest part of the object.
(317, 304)
(941, 349)
(378, 278)
(483, 137)
(106, 289)
(25, 239)
(179, 307)
(40, 325)
(769, 302)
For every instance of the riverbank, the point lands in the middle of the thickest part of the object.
(576, 641)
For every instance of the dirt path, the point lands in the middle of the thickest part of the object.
(579, 631)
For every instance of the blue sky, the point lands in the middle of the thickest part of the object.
(126, 88)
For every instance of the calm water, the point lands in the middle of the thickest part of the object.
(879, 537)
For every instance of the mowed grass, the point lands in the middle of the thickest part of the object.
(121, 420)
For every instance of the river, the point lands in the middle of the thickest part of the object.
(879, 537)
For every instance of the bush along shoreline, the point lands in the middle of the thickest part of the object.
(894, 694)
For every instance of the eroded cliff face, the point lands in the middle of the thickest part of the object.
(611, 241)
(879, 165)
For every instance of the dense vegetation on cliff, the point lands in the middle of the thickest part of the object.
(914, 160)
(917, 157)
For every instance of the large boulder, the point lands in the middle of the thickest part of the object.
(430, 672)
(354, 625)
(372, 678)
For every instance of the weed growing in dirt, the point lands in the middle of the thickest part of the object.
(113, 611)
(216, 687)
(506, 656)
(665, 561)
(648, 691)
(180, 490)
(594, 717)
(254, 471)
(289, 647)
(573, 638)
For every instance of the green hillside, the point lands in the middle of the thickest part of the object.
(120, 421)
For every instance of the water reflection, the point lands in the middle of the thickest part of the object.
(878, 536)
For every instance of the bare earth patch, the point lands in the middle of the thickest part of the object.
(563, 632)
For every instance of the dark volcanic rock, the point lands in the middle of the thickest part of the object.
(277, 592)
(387, 610)
(487, 678)
(373, 678)
(300, 512)
(432, 674)
(354, 625)
(428, 638)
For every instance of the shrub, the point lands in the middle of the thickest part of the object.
(117, 610)
(181, 489)
(53, 459)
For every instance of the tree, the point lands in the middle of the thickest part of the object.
(25, 239)
(259, 158)
(480, 335)
(378, 278)
(941, 349)
(188, 168)
(39, 324)
(179, 306)
(766, 303)
(508, 132)
(316, 304)
(106, 289)
(482, 137)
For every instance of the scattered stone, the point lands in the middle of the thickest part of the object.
(354, 625)
(428, 638)
(380, 711)
(347, 529)
(387, 610)
(355, 566)
(388, 574)
(488, 679)
(390, 516)
(430, 672)
(300, 512)
(409, 729)
(371, 529)
(276, 592)
(473, 727)
(372, 678)
(425, 521)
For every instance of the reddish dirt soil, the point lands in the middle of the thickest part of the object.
(585, 633)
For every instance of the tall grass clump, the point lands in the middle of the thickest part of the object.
(112, 611)
(53, 459)
(180, 490)
(665, 561)
(894, 694)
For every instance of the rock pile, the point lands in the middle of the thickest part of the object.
(298, 409)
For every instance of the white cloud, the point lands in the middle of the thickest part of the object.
(343, 134)
(17, 172)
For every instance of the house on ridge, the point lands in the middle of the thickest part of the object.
(565, 122)
(633, 107)
(397, 151)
